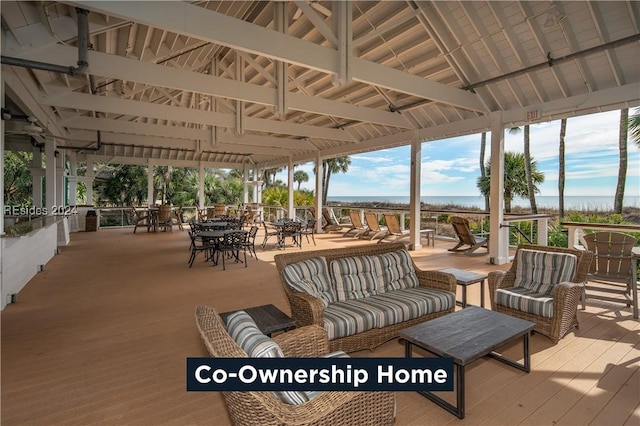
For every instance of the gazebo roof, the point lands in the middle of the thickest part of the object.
(229, 84)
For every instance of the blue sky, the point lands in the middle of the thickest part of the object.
(450, 167)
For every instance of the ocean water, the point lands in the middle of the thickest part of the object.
(580, 203)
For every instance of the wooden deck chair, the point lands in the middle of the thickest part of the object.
(465, 237)
(331, 223)
(393, 229)
(375, 230)
(612, 274)
(357, 227)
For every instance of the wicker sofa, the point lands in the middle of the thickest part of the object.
(553, 309)
(266, 408)
(363, 295)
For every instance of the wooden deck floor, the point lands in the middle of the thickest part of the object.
(101, 337)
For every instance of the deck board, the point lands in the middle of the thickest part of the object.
(101, 337)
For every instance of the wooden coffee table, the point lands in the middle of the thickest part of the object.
(466, 336)
(268, 318)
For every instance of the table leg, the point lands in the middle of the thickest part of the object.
(525, 366)
(464, 296)
(458, 409)
(482, 293)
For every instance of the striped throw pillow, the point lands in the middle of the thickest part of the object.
(311, 276)
(540, 271)
(396, 269)
(245, 333)
(355, 277)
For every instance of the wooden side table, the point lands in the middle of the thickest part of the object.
(466, 278)
(268, 318)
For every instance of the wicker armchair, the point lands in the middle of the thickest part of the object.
(566, 295)
(263, 408)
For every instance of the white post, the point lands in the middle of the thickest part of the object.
(150, 200)
(201, 173)
(290, 183)
(2, 177)
(318, 205)
(73, 180)
(89, 175)
(499, 241)
(37, 172)
(245, 185)
(60, 178)
(414, 202)
(50, 176)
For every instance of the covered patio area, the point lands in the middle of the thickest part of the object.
(102, 334)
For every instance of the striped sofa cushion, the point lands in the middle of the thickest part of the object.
(347, 318)
(355, 277)
(245, 333)
(539, 271)
(312, 277)
(396, 270)
(525, 300)
(398, 306)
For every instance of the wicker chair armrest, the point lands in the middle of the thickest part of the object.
(306, 309)
(437, 279)
(566, 296)
(496, 280)
(332, 407)
(309, 341)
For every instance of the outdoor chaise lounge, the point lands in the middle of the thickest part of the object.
(393, 229)
(357, 227)
(375, 230)
(465, 237)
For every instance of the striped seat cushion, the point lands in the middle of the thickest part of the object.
(245, 333)
(526, 300)
(539, 271)
(396, 270)
(347, 318)
(397, 306)
(312, 277)
(355, 277)
(309, 395)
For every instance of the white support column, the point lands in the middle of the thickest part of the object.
(73, 180)
(60, 178)
(245, 185)
(150, 200)
(290, 183)
(499, 241)
(201, 196)
(37, 173)
(318, 205)
(257, 187)
(414, 201)
(50, 176)
(90, 176)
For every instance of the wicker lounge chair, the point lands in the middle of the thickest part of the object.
(264, 408)
(564, 295)
(465, 237)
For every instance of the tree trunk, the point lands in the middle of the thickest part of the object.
(561, 173)
(527, 170)
(483, 171)
(622, 169)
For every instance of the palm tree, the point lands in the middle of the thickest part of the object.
(329, 167)
(527, 166)
(622, 168)
(483, 172)
(300, 176)
(561, 173)
(634, 127)
(515, 182)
